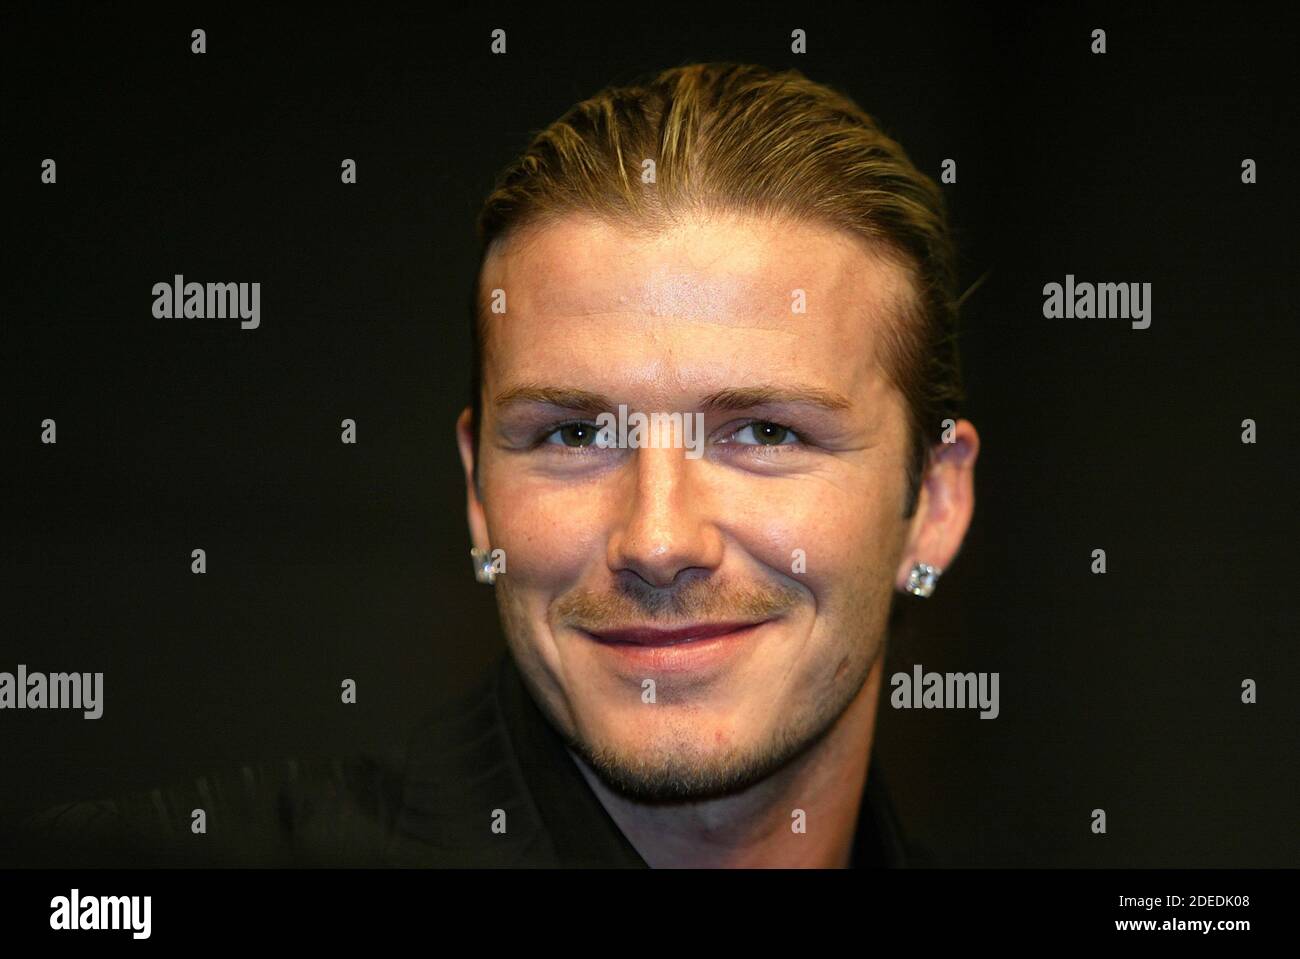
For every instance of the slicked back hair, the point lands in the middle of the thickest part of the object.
(746, 139)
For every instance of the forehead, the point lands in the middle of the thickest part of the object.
(799, 283)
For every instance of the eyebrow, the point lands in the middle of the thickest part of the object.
(735, 398)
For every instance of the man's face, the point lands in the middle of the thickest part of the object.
(789, 525)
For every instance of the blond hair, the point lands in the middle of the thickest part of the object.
(743, 138)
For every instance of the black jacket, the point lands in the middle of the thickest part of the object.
(433, 807)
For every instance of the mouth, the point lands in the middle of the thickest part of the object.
(700, 650)
(648, 636)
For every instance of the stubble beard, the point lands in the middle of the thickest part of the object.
(675, 767)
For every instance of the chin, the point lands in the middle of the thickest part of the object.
(650, 778)
(689, 759)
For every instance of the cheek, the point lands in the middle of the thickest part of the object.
(549, 534)
(826, 535)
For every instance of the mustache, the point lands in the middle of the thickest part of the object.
(634, 601)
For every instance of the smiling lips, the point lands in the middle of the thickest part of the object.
(702, 651)
(645, 636)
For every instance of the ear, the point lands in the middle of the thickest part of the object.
(945, 504)
(478, 531)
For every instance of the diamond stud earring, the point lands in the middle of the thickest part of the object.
(483, 566)
(921, 579)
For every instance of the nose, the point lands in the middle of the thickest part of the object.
(665, 528)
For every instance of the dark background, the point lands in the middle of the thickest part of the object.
(328, 561)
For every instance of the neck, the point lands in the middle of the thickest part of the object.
(753, 828)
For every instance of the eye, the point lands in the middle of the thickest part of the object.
(766, 433)
(573, 435)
